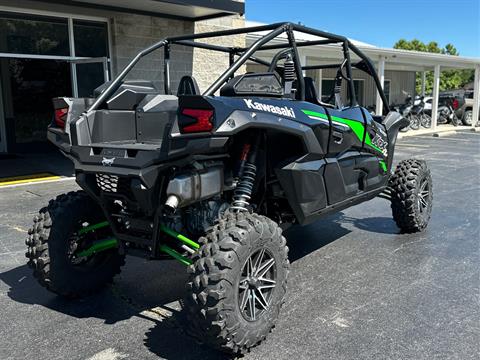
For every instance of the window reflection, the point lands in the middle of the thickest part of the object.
(90, 38)
(38, 35)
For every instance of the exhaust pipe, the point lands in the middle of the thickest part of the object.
(172, 203)
(185, 189)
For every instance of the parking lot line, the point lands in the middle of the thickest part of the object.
(30, 181)
(27, 179)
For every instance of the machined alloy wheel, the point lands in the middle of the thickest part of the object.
(256, 284)
(423, 198)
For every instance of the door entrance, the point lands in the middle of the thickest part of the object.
(3, 132)
(29, 86)
(42, 57)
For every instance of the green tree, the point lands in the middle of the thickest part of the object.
(449, 79)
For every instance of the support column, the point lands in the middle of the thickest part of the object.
(424, 80)
(476, 96)
(303, 60)
(381, 77)
(319, 83)
(436, 93)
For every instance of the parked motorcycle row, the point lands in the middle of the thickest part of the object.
(419, 111)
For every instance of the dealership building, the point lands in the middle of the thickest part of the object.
(68, 48)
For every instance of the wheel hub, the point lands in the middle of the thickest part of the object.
(256, 284)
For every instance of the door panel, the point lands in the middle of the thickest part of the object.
(375, 151)
(343, 178)
(347, 130)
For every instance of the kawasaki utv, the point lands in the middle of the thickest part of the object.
(212, 178)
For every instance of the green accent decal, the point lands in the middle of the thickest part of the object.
(383, 165)
(357, 127)
(98, 246)
(180, 237)
(92, 227)
(175, 254)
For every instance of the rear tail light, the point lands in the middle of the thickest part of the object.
(196, 120)
(455, 104)
(61, 117)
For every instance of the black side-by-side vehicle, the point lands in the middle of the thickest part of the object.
(212, 178)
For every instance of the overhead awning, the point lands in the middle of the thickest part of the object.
(179, 9)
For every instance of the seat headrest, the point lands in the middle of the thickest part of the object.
(188, 86)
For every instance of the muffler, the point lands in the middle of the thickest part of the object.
(186, 189)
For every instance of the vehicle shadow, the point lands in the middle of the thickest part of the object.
(152, 290)
(376, 224)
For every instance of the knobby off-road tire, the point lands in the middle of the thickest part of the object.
(50, 247)
(411, 194)
(217, 284)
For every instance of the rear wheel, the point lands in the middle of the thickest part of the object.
(468, 118)
(411, 195)
(414, 122)
(237, 282)
(58, 246)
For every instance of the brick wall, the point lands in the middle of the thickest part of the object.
(132, 33)
(209, 65)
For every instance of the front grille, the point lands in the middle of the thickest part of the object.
(114, 184)
(107, 182)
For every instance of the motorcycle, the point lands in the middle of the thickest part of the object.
(409, 111)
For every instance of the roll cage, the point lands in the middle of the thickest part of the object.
(239, 55)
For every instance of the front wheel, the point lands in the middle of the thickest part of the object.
(411, 195)
(237, 282)
(60, 245)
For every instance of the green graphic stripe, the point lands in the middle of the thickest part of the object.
(383, 165)
(357, 127)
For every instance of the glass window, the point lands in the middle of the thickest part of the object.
(38, 35)
(91, 38)
(89, 77)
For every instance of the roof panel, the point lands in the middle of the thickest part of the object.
(193, 9)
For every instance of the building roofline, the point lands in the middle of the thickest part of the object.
(173, 9)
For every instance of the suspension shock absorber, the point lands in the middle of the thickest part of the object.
(247, 173)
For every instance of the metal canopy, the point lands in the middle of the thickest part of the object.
(177, 9)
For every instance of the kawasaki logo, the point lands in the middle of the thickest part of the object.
(284, 110)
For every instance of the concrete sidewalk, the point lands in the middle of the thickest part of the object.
(442, 130)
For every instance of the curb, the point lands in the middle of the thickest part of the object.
(438, 133)
(444, 133)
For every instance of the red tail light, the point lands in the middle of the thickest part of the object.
(61, 117)
(201, 121)
(455, 104)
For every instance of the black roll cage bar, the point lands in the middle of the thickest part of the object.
(246, 53)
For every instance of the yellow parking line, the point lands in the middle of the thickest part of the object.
(28, 179)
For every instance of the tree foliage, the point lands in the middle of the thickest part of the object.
(449, 79)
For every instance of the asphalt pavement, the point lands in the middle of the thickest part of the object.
(358, 289)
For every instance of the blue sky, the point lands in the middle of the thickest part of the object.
(382, 22)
